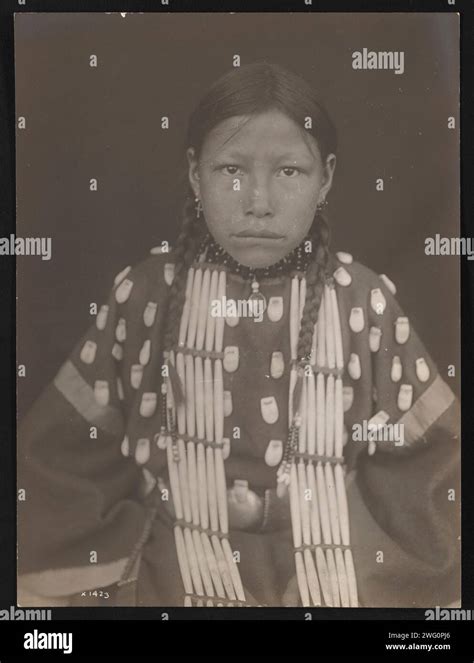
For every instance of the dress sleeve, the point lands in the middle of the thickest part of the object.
(406, 491)
(78, 515)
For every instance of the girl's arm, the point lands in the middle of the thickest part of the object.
(405, 494)
(81, 515)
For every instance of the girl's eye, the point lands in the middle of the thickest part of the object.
(293, 171)
(231, 170)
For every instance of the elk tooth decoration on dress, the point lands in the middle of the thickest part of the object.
(311, 464)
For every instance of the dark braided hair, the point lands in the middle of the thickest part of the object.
(315, 279)
(246, 91)
(187, 244)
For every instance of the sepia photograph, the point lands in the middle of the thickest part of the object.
(238, 310)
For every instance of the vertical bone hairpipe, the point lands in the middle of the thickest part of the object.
(329, 322)
(294, 317)
(183, 560)
(211, 320)
(188, 461)
(211, 489)
(213, 567)
(181, 409)
(218, 402)
(321, 337)
(296, 528)
(219, 432)
(216, 394)
(205, 456)
(312, 577)
(202, 322)
(193, 483)
(190, 398)
(314, 513)
(332, 502)
(193, 562)
(311, 416)
(199, 397)
(342, 578)
(320, 387)
(194, 312)
(303, 410)
(183, 326)
(331, 363)
(316, 537)
(301, 473)
(208, 400)
(184, 481)
(203, 309)
(294, 328)
(323, 505)
(314, 344)
(182, 554)
(191, 337)
(342, 504)
(221, 291)
(338, 396)
(302, 298)
(210, 467)
(329, 445)
(202, 486)
(351, 579)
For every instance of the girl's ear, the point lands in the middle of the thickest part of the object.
(329, 168)
(193, 172)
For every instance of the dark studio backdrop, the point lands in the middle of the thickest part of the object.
(105, 123)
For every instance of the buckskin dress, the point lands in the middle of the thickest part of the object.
(88, 500)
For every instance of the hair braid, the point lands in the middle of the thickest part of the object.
(187, 244)
(315, 280)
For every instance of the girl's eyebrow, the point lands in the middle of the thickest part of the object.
(286, 155)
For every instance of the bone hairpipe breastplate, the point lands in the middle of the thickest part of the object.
(311, 465)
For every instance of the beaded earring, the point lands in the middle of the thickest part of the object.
(321, 205)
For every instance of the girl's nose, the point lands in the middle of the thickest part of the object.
(258, 199)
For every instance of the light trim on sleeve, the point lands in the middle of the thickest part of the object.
(426, 410)
(80, 395)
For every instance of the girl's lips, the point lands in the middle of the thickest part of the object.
(258, 237)
(258, 234)
(261, 242)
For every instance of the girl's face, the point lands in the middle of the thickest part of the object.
(259, 184)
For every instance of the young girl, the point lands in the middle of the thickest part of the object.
(219, 435)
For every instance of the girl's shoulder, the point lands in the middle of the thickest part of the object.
(148, 280)
(356, 281)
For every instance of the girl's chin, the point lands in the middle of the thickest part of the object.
(258, 254)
